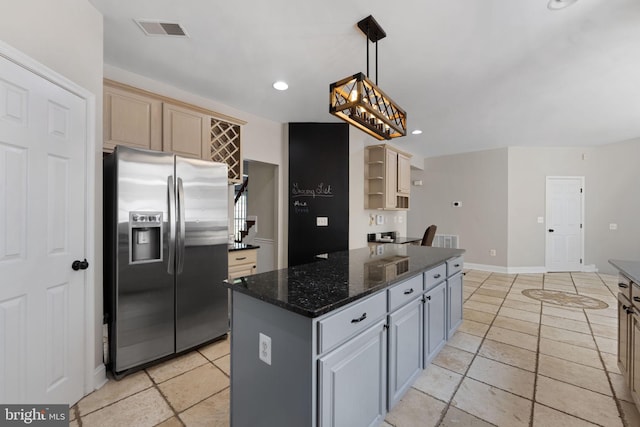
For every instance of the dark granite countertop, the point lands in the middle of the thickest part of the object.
(631, 269)
(317, 288)
(241, 247)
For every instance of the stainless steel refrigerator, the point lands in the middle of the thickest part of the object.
(165, 252)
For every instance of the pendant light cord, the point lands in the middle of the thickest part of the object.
(376, 43)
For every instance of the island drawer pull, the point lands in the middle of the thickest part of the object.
(456, 265)
(408, 292)
(437, 276)
(241, 258)
(623, 285)
(636, 299)
(360, 319)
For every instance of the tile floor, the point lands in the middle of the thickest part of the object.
(515, 361)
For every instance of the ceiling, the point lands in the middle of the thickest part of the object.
(471, 74)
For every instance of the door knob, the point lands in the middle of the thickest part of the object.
(551, 230)
(80, 265)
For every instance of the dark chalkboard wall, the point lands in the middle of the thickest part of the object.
(318, 187)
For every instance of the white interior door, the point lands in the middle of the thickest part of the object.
(564, 242)
(42, 231)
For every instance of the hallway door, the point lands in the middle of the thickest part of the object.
(564, 228)
(43, 133)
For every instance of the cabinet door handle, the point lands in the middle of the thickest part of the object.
(408, 291)
(359, 319)
(623, 285)
(241, 258)
(428, 297)
(436, 276)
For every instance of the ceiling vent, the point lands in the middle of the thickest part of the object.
(157, 28)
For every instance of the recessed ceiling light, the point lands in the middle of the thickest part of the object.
(560, 4)
(280, 85)
(416, 132)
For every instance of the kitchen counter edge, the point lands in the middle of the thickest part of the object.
(630, 269)
(240, 285)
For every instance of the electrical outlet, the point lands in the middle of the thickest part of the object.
(322, 221)
(540, 220)
(492, 252)
(613, 226)
(264, 350)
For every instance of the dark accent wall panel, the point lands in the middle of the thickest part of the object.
(318, 187)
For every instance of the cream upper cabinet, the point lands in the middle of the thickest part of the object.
(185, 132)
(404, 173)
(387, 178)
(142, 119)
(390, 178)
(131, 119)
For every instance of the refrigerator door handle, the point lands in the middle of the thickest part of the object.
(181, 221)
(172, 223)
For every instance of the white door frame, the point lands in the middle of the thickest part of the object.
(94, 376)
(582, 218)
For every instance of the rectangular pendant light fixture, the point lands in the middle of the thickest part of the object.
(360, 102)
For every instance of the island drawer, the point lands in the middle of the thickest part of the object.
(454, 265)
(351, 320)
(434, 276)
(404, 292)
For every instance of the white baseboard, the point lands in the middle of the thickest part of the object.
(99, 377)
(591, 268)
(486, 267)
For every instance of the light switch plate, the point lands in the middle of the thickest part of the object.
(322, 221)
(379, 219)
(540, 220)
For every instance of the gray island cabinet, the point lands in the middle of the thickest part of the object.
(339, 341)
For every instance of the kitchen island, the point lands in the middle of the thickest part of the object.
(338, 342)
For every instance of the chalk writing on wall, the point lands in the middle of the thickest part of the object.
(322, 190)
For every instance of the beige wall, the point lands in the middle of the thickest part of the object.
(613, 196)
(513, 182)
(479, 181)
(66, 36)
(262, 199)
(528, 169)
